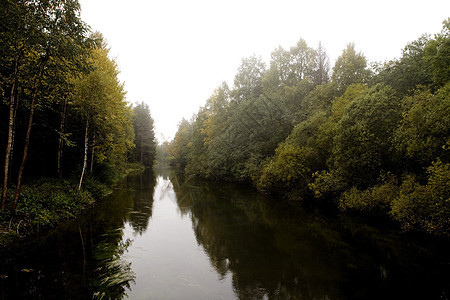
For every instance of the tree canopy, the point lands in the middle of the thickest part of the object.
(369, 140)
(63, 106)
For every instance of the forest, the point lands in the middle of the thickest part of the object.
(369, 139)
(66, 128)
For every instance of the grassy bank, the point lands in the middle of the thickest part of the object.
(45, 202)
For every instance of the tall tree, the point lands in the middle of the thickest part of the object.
(350, 67)
(181, 144)
(364, 136)
(410, 70)
(321, 70)
(17, 36)
(145, 150)
(99, 100)
(43, 35)
(302, 62)
(248, 80)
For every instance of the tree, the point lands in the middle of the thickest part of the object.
(350, 67)
(411, 70)
(425, 207)
(321, 71)
(290, 67)
(437, 56)
(40, 36)
(247, 81)
(181, 144)
(99, 100)
(425, 128)
(145, 150)
(302, 62)
(363, 141)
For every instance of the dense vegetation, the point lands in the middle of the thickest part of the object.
(371, 140)
(63, 111)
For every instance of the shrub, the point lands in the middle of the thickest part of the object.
(375, 200)
(326, 184)
(45, 201)
(288, 170)
(425, 207)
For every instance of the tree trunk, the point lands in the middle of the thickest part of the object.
(11, 156)
(92, 155)
(25, 150)
(9, 146)
(86, 142)
(61, 139)
(27, 136)
(142, 149)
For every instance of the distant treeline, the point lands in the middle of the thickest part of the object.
(63, 111)
(367, 139)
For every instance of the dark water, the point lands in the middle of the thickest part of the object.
(160, 237)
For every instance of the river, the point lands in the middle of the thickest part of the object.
(158, 236)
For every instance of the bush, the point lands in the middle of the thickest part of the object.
(326, 184)
(46, 201)
(375, 200)
(288, 170)
(425, 207)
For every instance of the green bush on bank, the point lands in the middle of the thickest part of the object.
(44, 202)
(414, 205)
(425, 207)
(375, 200)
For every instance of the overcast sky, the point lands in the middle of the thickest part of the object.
(173, 54)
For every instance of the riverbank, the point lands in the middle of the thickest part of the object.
(46, 202)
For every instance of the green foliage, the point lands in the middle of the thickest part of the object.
(247, 80)
(291, 132)
(295, 159)
(411, 70)
(98, 99)
(54, 69)
(425, 207)
(437, 56)
(181, 144)
(326, 184)
(96, 188)
(350, 67)
(363, 141)
(375, 200)
(424, 131)
(339, 105)
(289, 169)
(145, 150)
(48, 201)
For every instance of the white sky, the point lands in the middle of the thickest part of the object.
(172, 54)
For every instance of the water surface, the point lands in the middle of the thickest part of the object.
(162, 237)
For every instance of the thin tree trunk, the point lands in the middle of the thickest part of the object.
(61, 139)
(9, 146)
(86, 142)
(142, 148)
(11, 156)
(25, 151)
(92, 155)
(27, 136)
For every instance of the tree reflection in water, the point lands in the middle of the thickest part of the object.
(279, 251)
(83, 258)
(143, 188)
(113, 274)
(264, 248)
